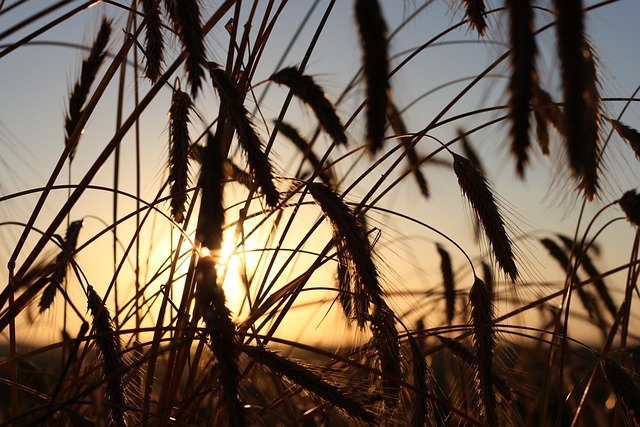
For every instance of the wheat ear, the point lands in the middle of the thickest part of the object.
(211, 305)
(179, 153)
(448, 282)
(399, 127)
(629, 134)
(481, 317)
(185, 17)
(475, 12)
(625, 387)
(372, 31)
(61, 265)
(630, 205)
(110, 349)
(592, 271)
(306, 377)
(211, 217)
(582, 101)
(385, 340)
(88, 73)
(476, 189)
(301, 144)
(304, 87)
(523, 77)
(247, 136)
(359, 278)
(423, 412)
(154, 42)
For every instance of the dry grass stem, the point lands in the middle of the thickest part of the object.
(307, 90)
(475, 187)
(88, 73)
(372, 30)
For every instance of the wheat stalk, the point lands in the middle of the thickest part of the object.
(372, 31)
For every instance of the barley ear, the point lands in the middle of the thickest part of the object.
(179, 153)
(476, 189)
(110, 350)
(80, 92)
(372, 31)
(305, 88)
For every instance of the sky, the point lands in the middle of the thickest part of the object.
(36, 78)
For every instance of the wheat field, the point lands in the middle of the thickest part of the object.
(319, 213)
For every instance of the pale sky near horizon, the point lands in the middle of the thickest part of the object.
(35, 81)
